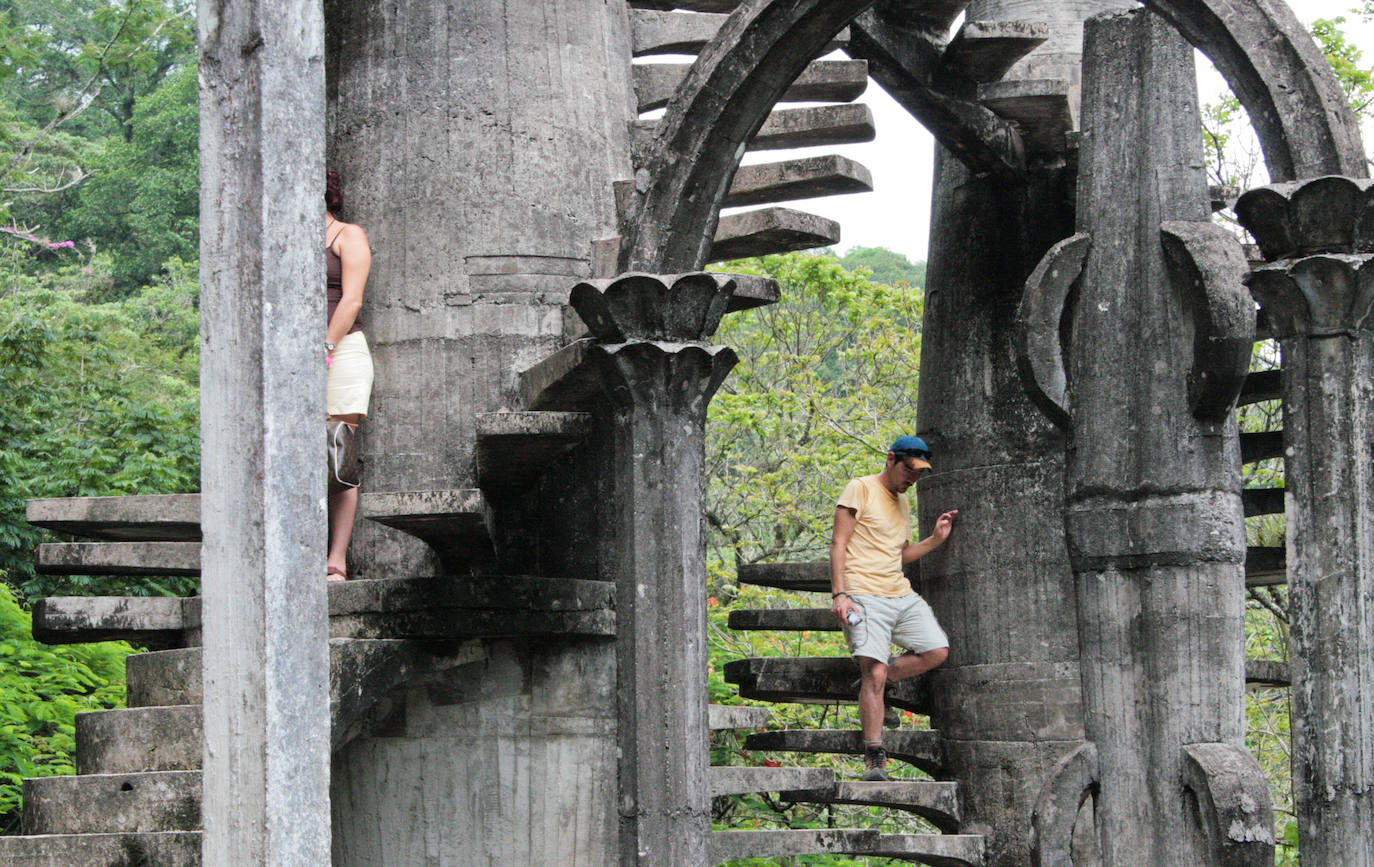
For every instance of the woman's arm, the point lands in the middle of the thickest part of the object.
(356, 256)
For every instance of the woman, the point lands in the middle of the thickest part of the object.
(347, 261)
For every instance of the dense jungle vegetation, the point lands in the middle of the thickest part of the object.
(99, 367)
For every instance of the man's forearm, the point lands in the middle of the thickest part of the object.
(915, 551)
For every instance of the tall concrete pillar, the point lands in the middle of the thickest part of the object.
(659, 376)
(266, 659)
(1317, 298)
(478, 143)
(1136, 338)
(1007, 701)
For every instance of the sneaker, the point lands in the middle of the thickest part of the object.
(875, 764)
(891, 719)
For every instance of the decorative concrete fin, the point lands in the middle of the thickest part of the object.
(1207, 263)
(1233, 803)
(1056, 810)
(1039, 354)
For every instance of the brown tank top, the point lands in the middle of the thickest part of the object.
(333, 283)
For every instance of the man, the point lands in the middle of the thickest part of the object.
(870, 544)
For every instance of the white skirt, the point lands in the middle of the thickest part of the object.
(349, 380)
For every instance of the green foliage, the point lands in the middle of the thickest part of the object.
(826, 380)
(886, 266)
(41, 690)
(101, 401)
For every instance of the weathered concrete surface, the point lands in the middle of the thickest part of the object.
(153, 621)
(729, 716)
(136, 739)
(163, 848)
(938, 850)
(811, 577)
(814, 126)
(113, 803)
(521, 741)
(805, 178)
(1157, 344)
(820, 81)
(1318, 300)
(148, 518)
(742, 780)
(507, 440)
(770, 230)
(984, 51)
(118, 558)
(262, 124)
(453, 523)
(938, 802)
(921, 748)
(163, 677)
(816, 680)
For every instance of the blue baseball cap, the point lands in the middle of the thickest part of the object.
(912, 447)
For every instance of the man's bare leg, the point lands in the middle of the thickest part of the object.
(910, 664)
(872, 681)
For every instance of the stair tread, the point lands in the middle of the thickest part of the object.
(744, 780)
(118, 558)
(814, 680)
(941, 850)
(804, 178)
(144, 518)
(722, 717)
(505, 440)
(771, 230)
(113, 803)
(139, 739)
(921, 748)
(820, 81)
(1039, 107)
(452, 522)
(157, 621)
(983, 51)
(163, 848)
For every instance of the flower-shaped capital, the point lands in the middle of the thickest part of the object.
(638, 306)
(1330, 214)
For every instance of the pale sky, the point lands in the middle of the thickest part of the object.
(896, 214)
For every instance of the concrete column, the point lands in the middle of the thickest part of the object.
(1136, 337)
(658, 390)
(266, 660)
(1319, 306)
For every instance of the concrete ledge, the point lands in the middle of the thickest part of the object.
(983, 51)
(721, 717)
(1039, 107)
(1266, 565)
(739, 781)
(1262, 501)
(752, 291)
(155, 518)
(806, 178)
(921, 748)
(784, 619)
(138, 739)
(1260, 386)
(506, 442)
(935, 801)
(657, 32)
(820, 81)
(788, 128)
(802, 577)
(771, 230)
(118, 558)
(163, 849)
(1268, 673)
(934, 849)
(452, 522)
(163, 678)
(113, 803)
(1261, 446)
(814, 680)
(155, 621)
(565, 380)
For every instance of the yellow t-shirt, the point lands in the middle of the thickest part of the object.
(873, 557)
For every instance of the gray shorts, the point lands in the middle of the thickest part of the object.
(906, 621)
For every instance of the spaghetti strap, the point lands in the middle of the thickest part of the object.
(329, 242)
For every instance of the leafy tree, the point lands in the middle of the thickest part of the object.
(888, 267)
(42, 689)
(101, 400)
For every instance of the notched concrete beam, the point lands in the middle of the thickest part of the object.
(784, 619)
(771, 230)
(806, 178)
(1266, 565)
(658, 32)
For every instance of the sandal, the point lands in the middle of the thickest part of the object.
(335, 570)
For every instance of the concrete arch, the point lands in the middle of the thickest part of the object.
(1269, 61)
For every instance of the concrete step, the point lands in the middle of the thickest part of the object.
(1262, 501)
(1261, 446)
(112, 803)
(784, 619)
(813, 577)
(1040, 108)
(452, 522)
(938, 850)
(151, 621)
(753, 290)
(814, 680)
(157, 849)
(935, 801)
(155, 518)
(814, 126)
(810, 177)
(724, 6)
(507, 440)
(736, 716)
(163, 678)
(1266, 565)
(921, 748)
(820, 81)
(771, 230)
(138, 739)
(463, 607)
(118, 558)
(1267, 673)
(983, 51)
(1260, 386)
(741, 781)
(655, 31)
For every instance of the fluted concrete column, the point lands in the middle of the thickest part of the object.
(266, 660)
(1318, 295)
(1135, 337)
(659, 376)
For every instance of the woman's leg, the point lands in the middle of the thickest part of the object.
(343, 508)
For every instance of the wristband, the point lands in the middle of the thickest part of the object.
(838, 595)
